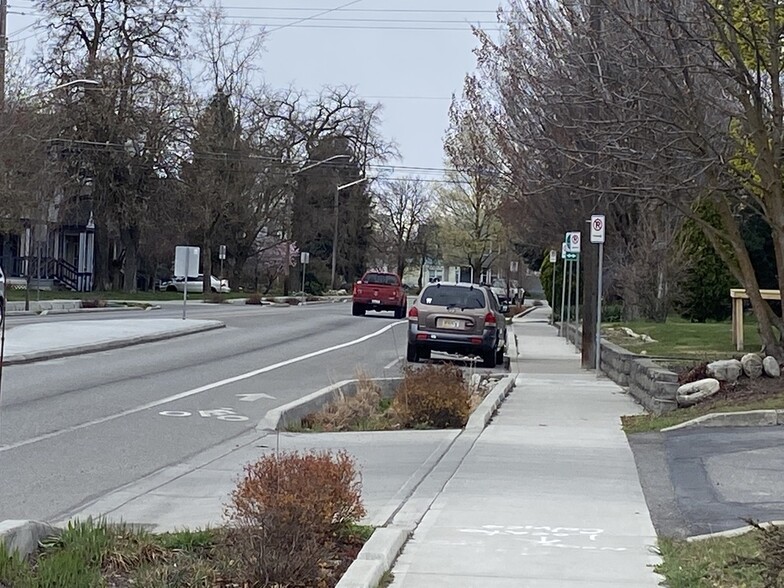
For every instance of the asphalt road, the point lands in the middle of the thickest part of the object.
(73, 429)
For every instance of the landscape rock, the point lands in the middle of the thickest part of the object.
(726, 370)
(22, 537)
(771, 367)
(752, 365)
(693, 392)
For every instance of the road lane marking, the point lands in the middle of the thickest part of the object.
(253, 397)
(199, 390)
(391, 364)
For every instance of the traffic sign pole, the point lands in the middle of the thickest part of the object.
(599, 312)
(569, 299)
(598, 228)
(554, 259)
(563, 298)
(577, 303)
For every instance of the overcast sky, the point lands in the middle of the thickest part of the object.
(367, 44)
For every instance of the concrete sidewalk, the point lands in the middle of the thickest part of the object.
(44, 341)
(548, 496)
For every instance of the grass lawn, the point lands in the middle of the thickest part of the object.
(678, 338)
(713, 563)
(644, 423)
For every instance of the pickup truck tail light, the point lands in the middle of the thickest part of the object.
(413, 313)
(490, 319)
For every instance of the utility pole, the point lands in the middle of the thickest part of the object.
(591, 206)
(3, 49)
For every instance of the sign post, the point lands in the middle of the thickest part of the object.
(304, 259)
(598, 236)
(563, 288)
(186, 263)
(576, 248)
(554, 263)
(222, 257)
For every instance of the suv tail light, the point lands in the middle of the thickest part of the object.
(413, 313)
(490, 319)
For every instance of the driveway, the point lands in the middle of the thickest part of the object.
(706, 480)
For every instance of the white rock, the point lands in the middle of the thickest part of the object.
(752, 365)
(726, 370)
(771, 367)
(693, 392)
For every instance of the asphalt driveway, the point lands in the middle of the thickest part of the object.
(705, 480)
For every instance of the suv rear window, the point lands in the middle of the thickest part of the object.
(459, 296)
(381, 279)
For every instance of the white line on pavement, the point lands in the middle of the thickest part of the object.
(391, 364)
(199, 390)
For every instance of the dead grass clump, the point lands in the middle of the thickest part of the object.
(349, 413)
(434, 395)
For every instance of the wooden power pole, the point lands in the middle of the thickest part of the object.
(3, 49)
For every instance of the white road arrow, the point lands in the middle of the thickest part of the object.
(253, 397)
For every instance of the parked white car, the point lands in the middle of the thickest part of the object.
(196, 285)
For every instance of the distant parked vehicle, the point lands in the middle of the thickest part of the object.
(195, 285)
(379, 291)
(465, 319)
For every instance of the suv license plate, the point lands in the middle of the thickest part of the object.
(375, 302)
(449, 324)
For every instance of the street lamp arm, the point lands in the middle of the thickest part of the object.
(79, 82)
(354, 183)
(318, 163)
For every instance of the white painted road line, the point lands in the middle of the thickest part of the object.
(199, 390)
(392, 363)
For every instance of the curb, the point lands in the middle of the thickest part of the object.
(485, 411)
(23, 537)
(733, 532)
(380, 552)
(747, 418)
(108, 345)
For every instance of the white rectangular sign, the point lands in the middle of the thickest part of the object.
(553, 256)
(597, 228)
(222, 252)
(573, 242)
(513, 265)
(564, 250)
(186, 261)
(304, 258)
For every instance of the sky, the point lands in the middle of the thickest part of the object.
(409, 55)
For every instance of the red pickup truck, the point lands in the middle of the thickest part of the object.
(379, 291)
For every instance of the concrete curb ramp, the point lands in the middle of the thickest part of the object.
(22, 358)
(748, 418)
(382, 549)
(23, 537)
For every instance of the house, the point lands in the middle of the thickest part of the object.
(57, 252)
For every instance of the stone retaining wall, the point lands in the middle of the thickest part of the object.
(649, 383)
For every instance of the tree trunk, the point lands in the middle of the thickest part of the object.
(207, 267)
(129, 237)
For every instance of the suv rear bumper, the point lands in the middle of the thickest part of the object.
(449, 342)
(380, 305)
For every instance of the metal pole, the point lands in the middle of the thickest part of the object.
(304, 269)
(335, 239)
(577, 301)
(599, 312)
(552, 299)
(563, 298)
(569, 300)
(3, 49)
(185, 283)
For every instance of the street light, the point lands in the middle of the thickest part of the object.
(335, 233)
(79, 82)
(318, 163)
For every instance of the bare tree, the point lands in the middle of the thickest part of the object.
(402, 208)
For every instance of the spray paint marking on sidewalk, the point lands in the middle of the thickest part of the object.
(199, 390)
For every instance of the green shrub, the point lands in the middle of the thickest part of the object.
(284, 512)
(612, 313)
(432, 396)
(254, 298)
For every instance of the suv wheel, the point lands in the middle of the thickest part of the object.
(400, 312)
(358, 309)
(499, 356)
(411, 354)
(488, 359)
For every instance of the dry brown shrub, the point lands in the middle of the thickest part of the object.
(434, 395)
(253, 298)
(285, 510)
(349, 412)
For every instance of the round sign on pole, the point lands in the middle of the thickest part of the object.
(597, 228)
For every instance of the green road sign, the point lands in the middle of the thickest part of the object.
(569, 256)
